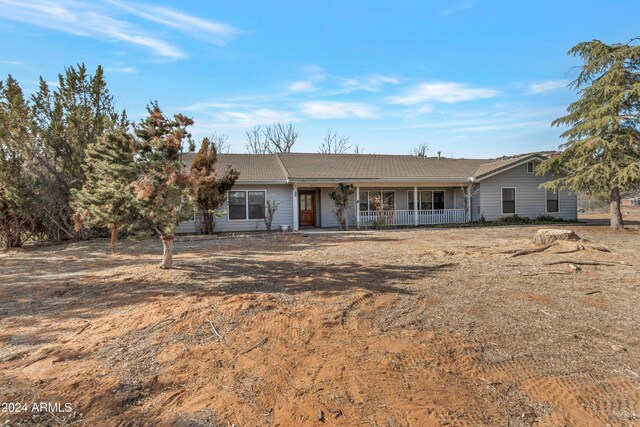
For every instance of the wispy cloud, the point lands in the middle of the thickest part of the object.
(96, 20)
(537, 88)
(499, 126)
(126, 70)
(371, 83)
(301, 86)
(337, 110)
(217, 32)
(12, 62)
(248, 118)
(447, 92)
(457, 6)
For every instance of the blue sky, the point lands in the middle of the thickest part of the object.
(470, 78)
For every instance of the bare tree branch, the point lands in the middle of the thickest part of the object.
(221, 142)
(278, 138)
(334, 145)
(421, 150)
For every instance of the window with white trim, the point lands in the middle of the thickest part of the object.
(508, 200)
(246, 204)
(371, 201)
(438, 200)
(428, 200)
(531, 167)
(552, 201)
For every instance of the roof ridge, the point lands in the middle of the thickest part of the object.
(283, 167)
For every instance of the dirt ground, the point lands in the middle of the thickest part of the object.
(422, 328)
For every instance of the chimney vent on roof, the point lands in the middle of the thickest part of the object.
(439, 154)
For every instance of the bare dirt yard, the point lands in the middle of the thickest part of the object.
(422, 328)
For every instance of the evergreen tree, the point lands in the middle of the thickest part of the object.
(106, 198)
(17, 202)
(210, 188)
(65, 123)
(602, 151)
(163, 185)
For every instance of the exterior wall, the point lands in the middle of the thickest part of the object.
(327, 217)
(283, 216)
(530, 200)
(476, 211)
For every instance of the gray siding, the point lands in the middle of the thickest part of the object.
(530, 200)
(327, 217)
(476, 211)
(283, 216)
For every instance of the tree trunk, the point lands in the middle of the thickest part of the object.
(546, 236)
(114, 237)
(616, 212)
(207, 223)
(167, 254)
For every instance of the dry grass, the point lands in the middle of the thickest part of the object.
(423, 327)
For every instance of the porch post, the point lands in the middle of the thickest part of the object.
(469, 203)
(296, 208)
(358, 207)
(415, 205)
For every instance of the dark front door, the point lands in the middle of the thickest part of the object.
(307, 208)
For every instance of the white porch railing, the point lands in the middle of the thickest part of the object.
(407, 217)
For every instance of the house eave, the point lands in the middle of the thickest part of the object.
(261, 181)
(369, 181)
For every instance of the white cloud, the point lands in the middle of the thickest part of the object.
(337, 110)
(12, 62)
(218, 32)
(200, 106)
(457, 6)
(447, 92)
(83, 19)
(248, 118)
(537, 88)
(301, 86)
(500, 126)
(371, 83)
(126, 70)
(95, 19)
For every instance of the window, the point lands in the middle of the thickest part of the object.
(373, 200)
(508, 201)
(237, 205)
(531, 167)
(256, 204)
(438, 200)
(246, 205)
(429, 200)
(552, 201)
(388, 200)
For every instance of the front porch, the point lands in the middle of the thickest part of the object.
(412, 218)
(383, 205)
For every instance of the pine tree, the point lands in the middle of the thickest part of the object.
(17, 202)
(65, 122)
(163, 185)
(602, 151)
(210, 188)
(106, 198)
